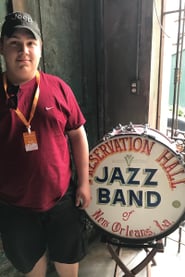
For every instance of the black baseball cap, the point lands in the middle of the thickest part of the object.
(16, 20)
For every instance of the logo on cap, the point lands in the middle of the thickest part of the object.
(25, 17)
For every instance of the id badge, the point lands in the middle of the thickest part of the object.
(30, 141)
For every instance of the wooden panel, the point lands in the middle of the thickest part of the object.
(89, 60)
(61, 34)
(68, 36)
(127, 50)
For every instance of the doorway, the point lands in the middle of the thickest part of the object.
(172, 84)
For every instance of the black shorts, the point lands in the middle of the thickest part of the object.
(27, 235)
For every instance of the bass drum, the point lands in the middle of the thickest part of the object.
(137, 182)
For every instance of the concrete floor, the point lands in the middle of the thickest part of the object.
(99, 263)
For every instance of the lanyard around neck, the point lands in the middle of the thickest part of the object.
(34, 104)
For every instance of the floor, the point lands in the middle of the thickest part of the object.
(99, 263)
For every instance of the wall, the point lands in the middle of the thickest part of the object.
(127, 50)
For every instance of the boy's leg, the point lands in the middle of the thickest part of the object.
(66, 237)
(66, 270)
(39, 269)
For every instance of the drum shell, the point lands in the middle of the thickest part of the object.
(137, 185)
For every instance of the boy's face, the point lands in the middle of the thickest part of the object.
(22, 54)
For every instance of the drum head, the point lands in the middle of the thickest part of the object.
(137, 185)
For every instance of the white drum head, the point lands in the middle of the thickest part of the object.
(138, 186)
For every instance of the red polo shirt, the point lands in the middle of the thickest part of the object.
(37, 179)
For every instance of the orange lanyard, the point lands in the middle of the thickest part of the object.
(34, 104)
